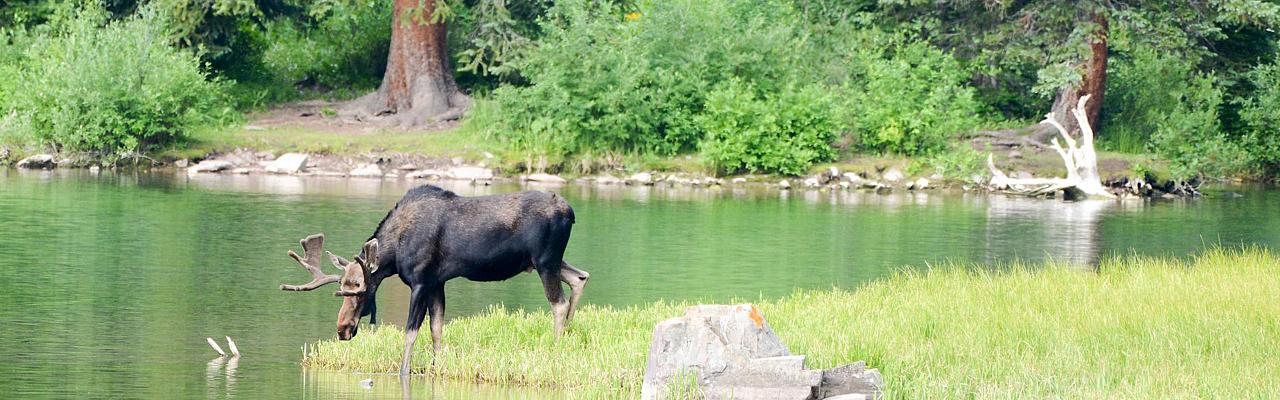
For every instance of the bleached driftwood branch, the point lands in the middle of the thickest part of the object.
(1079, 158)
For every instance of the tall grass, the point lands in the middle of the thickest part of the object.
(1140, 327)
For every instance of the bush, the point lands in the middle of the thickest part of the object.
(784, 132)
(1159, 104)
(910, 101)
(112, 88)
(346, 48)
(1262, 122)
(608, 78)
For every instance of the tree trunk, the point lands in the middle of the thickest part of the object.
(1093, 83)
(418, 86)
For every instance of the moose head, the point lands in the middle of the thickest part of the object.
(353, 284)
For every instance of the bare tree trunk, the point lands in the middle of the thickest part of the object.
(1078, 157)
(1093, 83)
(418, 85)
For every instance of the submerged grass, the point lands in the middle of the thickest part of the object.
(1141, 327)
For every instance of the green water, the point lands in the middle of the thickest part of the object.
(111, 282)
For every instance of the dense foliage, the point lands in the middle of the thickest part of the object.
(745, 85)
(89, 85)
(738, 80)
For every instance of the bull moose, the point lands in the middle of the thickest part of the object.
(433, 235)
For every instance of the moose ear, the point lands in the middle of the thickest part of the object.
(370, 254)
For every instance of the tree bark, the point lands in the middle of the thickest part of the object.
(1093, 83)
(418, 86)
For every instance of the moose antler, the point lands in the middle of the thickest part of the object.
(311, 247)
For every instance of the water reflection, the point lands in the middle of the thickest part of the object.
(328, 385)
(113, 280)
(1064, 231)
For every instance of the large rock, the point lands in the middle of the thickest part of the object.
(643, 178)
(368, 170)
(38, 161)
(289, 163)
(730, 352)
(893, 175)
(850, 379)
(544, 178)
(209, 166)
(426, 174)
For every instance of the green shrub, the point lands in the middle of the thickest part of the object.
(609, 78)
(1261, 120)
(112, 88)
(910, 99)
(346, 48)
(1158, 104)
(784, 132)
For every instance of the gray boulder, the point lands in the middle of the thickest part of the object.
(545, 178)
(209, 166)
(289, 163)
(426, 174)
(368, 170)
(730, 352)
(38, 161)
(893, 175)
(642, 178)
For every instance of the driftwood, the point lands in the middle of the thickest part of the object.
(1079, 158)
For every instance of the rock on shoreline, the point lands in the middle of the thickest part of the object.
(729, 351)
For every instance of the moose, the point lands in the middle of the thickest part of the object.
(433, 235)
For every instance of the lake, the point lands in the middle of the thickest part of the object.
(112, 281)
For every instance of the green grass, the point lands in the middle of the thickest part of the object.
(1141, 327)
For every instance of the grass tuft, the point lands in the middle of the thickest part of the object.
(1141, 327)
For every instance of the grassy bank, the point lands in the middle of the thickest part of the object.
(1141, 327)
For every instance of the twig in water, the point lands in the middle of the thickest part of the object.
(216, 347)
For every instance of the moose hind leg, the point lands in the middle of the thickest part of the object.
(577, 280)
(555, 295)
(418, 302)
(437, 321)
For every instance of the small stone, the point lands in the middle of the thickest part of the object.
(845, 184)
(893, 175)
(93, 169)
(367, 384)
(38, 161)
(209, 166)
(426, 174)
(785, 184)
(919, 184)
(289, 163)
(1022, 175)
(240, 171)
(1014, 154)
(368, 170)
(643, 178)
(457, 161)
(545, 178)
(488, 155)
(470, 173)
(266, 155)
(183, 163)
(739, 181)
(254, 128)
(812, 183)
(407, 167)
(607, 180)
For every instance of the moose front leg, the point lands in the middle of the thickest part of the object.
(418, 303)
(577, 280)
